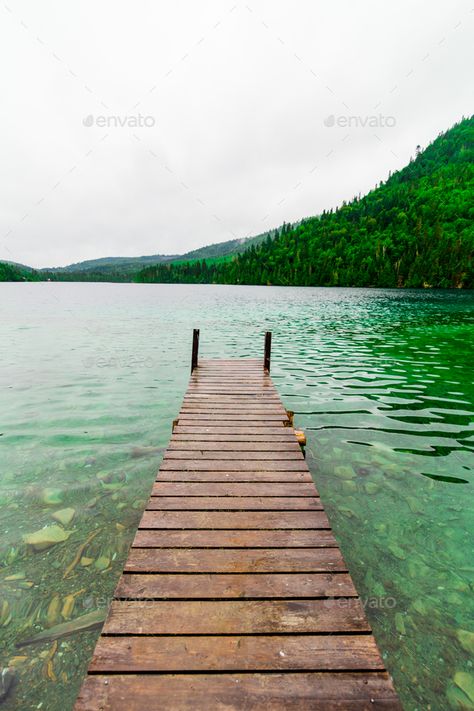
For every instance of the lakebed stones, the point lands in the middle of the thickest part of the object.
(102, 563)
(397, 551)
(461, 692)
(400, 623)
(466, 640)
(7, 677)
(46, 537)
(64, 516)
(51, 496)
(344, 472)
(371, 487)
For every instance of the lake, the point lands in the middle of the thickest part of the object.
(381, 380)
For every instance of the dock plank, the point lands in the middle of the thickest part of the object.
(228, 519)
(234, 560)
(234, 539)
(236, 465)
(282, 477)
(253, 456)
(236, 504)
(235, 617)
(235, 594)
(312, 691)
(234, 488)
(236, 653)
(230, 586)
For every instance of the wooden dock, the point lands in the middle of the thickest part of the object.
(235, 594)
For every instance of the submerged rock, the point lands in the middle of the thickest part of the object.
(413, 505)
(344, 472)
(397, 551)
(466, 640)
(54, 608)
(420, 607)
(465, 682)
(85, 622)
(46, 537)
(457, 699)
(7, 677)
(400, 623)
(371, 487)
(348, 487)
(102, 563)
(64, 516)
(104, 476)
(51, 496)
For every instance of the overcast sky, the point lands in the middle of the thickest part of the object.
(235, 102)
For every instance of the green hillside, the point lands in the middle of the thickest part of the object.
(414, 230)
(124, 269)
(17, 272)
(225, 249)
(105, 262)
(103, 269)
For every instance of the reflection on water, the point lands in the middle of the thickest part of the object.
(92, 376)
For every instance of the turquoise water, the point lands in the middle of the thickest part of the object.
(92, 376)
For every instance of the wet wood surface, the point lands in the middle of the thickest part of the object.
(235, 594)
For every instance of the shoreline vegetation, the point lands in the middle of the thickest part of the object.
(415, 230)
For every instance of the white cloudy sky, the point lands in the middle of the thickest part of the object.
(238, 94)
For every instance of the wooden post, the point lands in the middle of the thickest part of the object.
(194, 357)
(267, 352)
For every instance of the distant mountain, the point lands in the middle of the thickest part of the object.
(414, 230)
(114, 262)
(123, 269)
(102, 269)
(223, 249)
(126, 266)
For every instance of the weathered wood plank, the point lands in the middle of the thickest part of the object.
(172, 488)
(292, 455)
(224, 425)
(229, 390)
(248, 430)
(234, 560)
(228, 585)
(235, 617)
(234, 539)
(284, 435)
(252, 653)
(250, 477)
(234, 503)
(207, 399)
(232, 417)
(179, 444)
(198, 434)
(200, 406)
(319, 691)
(237, 465)
(234, 519)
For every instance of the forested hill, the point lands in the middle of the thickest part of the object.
(414, 230)
(17, 272)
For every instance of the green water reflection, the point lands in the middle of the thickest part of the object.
(92, 376)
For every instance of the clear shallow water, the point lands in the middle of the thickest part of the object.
(93, 374)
